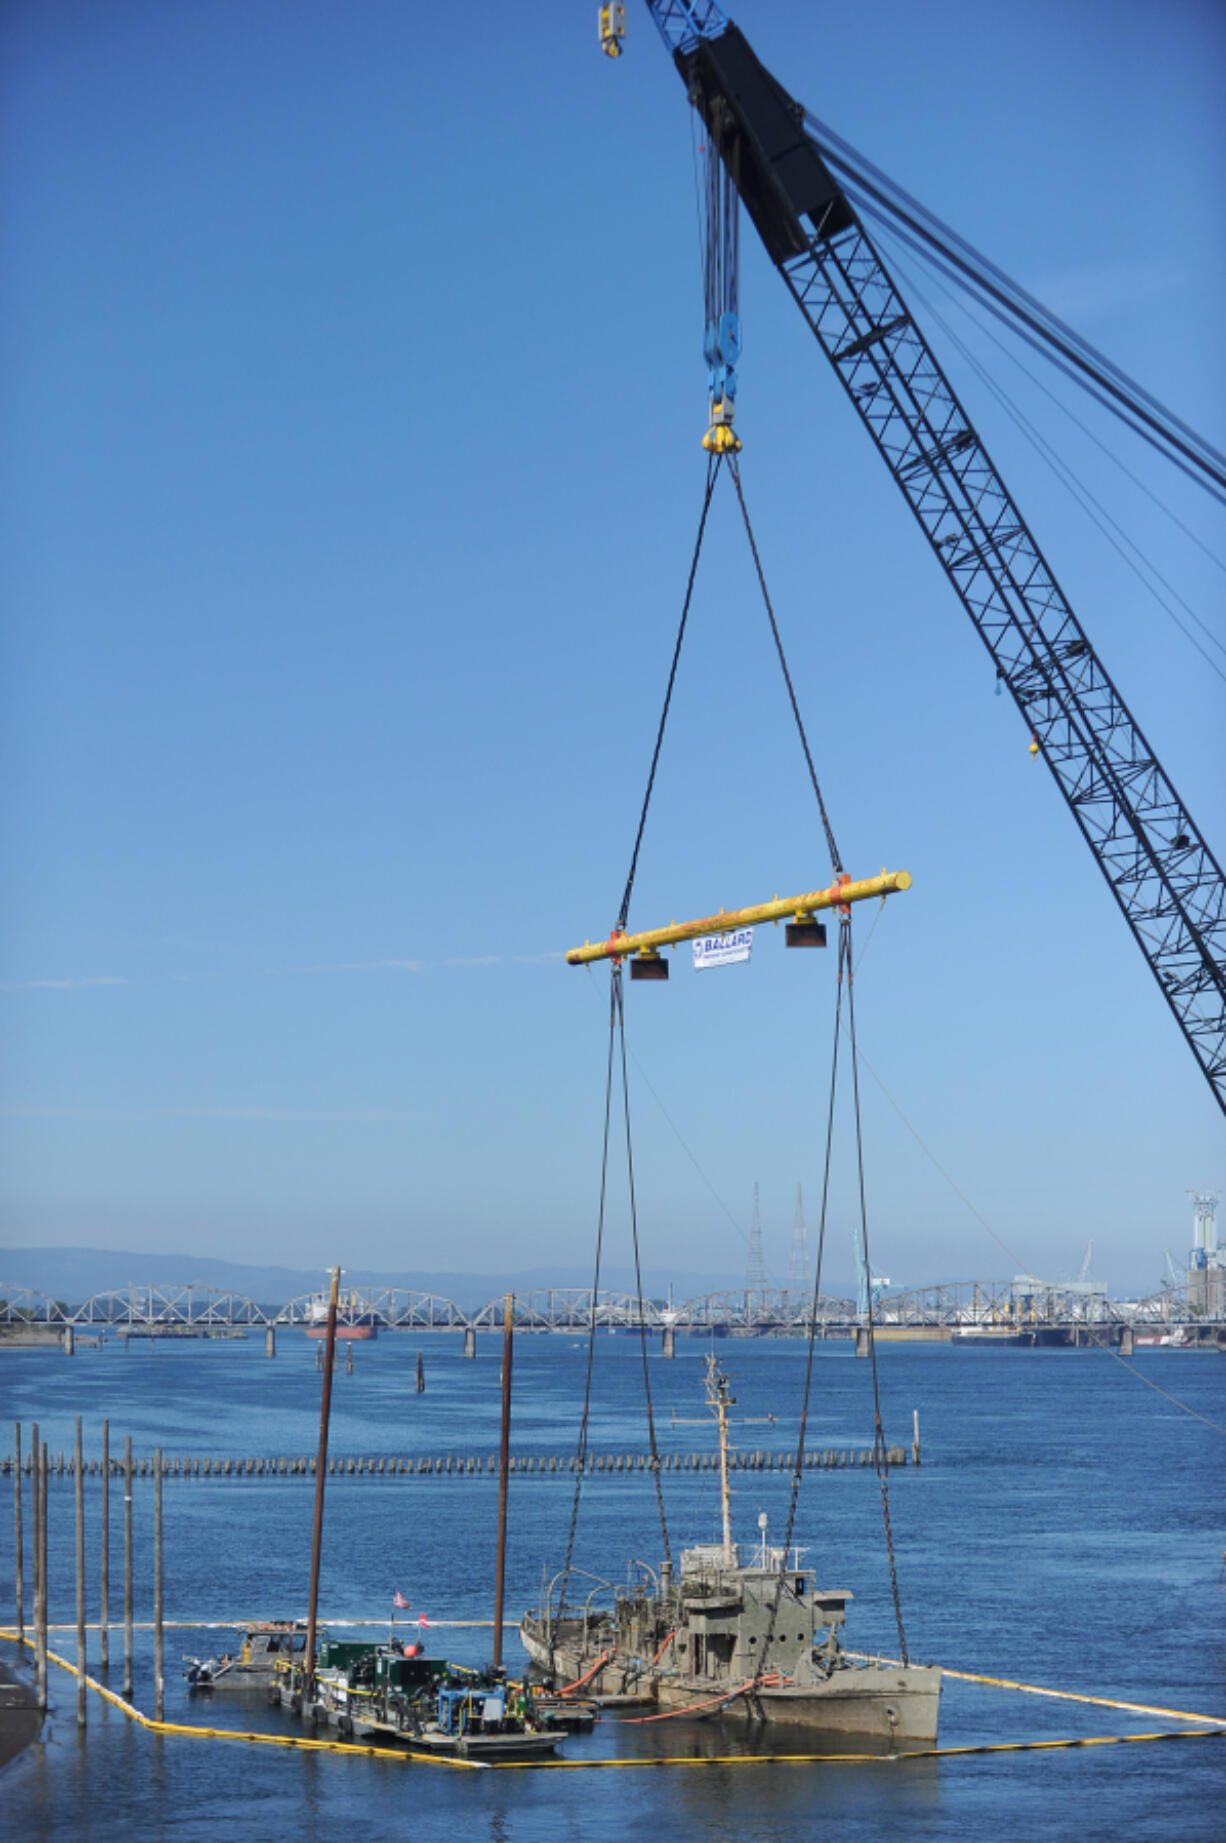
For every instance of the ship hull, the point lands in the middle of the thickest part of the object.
(879, 1701)
(884, 1702)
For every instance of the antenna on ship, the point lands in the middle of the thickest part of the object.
(719, 1401)
(755, 1272)
(798, 1259)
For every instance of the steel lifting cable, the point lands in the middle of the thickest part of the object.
(656, 1468)
(845, 974)
(712, 475)
(835, 859)
(581, 1444)
(880, 1462)
(616, 1018)
(798, 1463)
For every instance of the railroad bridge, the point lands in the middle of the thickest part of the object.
(188, 1310)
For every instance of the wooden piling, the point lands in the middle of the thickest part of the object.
(421, 1375)
(915, 1439)
(19, 1583)
(127, 1566)
(44, 1467)
(36, 1501)
(504, 1450)
(321, 1473)
(104, 1564)
(78, 1470)
(159, 1685)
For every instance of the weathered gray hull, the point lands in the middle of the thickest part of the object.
(878, 1701)
(884, 1702)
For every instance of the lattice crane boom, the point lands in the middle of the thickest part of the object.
(1158, 866)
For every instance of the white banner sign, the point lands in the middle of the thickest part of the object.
(722, 949)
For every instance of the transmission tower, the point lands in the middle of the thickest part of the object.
(755, 1272)
(798, 1259)
(1206, 1274)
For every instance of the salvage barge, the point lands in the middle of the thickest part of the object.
(388, 1693)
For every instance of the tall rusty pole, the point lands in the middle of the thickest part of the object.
(40, 1636)
(159, 1679)
(504, 1454)
(127, 1566)
(35, 1511)
(78, 1469)
(104, 1568)
(321, 1469)
(19, 1580)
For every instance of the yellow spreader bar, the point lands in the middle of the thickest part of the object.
(840, 895)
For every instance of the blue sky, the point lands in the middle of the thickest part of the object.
(352, 402)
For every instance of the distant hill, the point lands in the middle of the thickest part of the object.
(73, 1274)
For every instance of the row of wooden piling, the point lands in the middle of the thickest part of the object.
(37, 1466)
(302, 1466)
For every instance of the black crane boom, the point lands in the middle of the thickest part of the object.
(1159, 868)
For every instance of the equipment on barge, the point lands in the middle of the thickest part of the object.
(423, 1703)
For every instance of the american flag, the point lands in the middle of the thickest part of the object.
(399, 1601)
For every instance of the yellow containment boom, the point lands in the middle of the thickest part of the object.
(781, 908)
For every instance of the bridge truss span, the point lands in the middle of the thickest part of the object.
(569, 1308)
(765, 1309)
(188, 1307)
(384, 1307)
(22, 1305)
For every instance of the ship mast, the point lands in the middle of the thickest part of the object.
(719, 1399)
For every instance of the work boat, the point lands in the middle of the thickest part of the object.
(263, 1647)
(753, 1637)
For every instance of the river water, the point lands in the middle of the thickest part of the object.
(1065, 1528)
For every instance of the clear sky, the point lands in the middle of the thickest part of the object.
(352, 400)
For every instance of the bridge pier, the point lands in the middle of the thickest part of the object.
(470, 1341)
(861, 1340)
(668, 1342)
(1126, 1341)
(270, 1342)
(70, 1341)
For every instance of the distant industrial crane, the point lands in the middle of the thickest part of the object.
(1161, 872)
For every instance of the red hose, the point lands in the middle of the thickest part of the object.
(587, 1675)
(693, 1708)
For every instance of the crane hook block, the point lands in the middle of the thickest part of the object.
(721, 438)
(611, 23)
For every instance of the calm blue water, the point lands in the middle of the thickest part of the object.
(1066, 1528)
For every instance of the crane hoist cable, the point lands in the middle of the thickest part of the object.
(617, 1035)
(721, 340)
(879, 195)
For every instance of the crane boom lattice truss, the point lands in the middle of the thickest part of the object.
(1158, 866)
